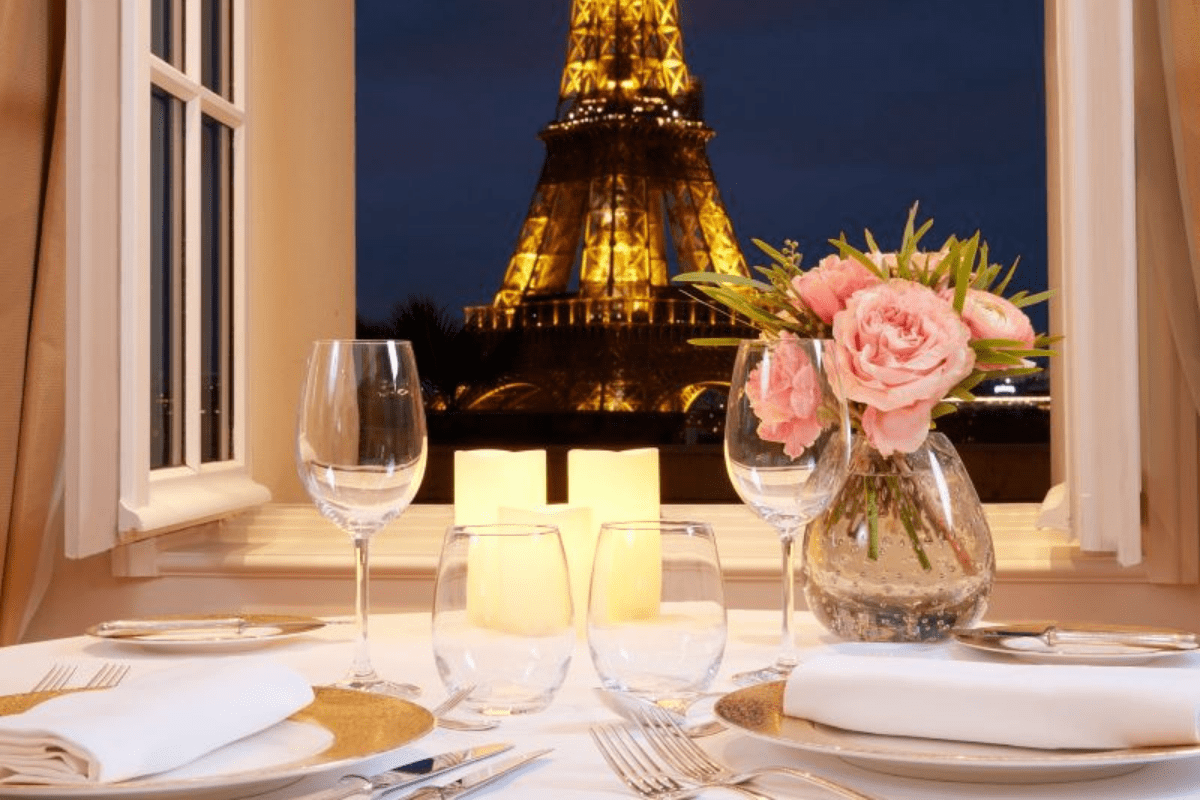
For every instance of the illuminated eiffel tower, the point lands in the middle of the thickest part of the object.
(626, 171)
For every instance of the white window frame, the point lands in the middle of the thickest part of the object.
(1093, 264)
(113, 495)
(1092, 231)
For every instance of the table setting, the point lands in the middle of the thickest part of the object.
(587, 650)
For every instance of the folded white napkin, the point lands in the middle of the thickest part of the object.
(1043, 706)
(148, 724)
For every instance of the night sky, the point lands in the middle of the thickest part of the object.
(831, 116)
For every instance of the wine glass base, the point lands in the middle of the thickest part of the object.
(380, 686)
(775, 672)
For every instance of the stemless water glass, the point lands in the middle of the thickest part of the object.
(787, 446)
(656, 612)
(360, 453)
(503, 621)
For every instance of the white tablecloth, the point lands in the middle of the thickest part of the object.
(401, 650)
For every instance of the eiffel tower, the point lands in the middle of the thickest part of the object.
(626, 170)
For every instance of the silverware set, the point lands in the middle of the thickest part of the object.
(653, 754)
(670, 765)
(59, 676)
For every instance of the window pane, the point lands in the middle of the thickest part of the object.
(216, 302)
(216, 24)
(166, 31)
(166, 280)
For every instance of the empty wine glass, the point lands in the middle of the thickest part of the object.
(360, 452)
(787, 444)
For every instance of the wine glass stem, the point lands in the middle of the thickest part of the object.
(361, 670)
(787, 640)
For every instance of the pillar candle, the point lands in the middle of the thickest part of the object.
(622, 486)
(574, 525)
(484, 480)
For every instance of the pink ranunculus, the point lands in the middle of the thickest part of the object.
(898, 349)
(990, 316)
(826, 287)
(785, 393)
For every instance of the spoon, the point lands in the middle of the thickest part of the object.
(627, 703)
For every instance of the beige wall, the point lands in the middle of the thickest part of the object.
(301, 191)
(300, 105)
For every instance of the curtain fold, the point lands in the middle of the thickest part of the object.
(32, 304)
(1168, 212)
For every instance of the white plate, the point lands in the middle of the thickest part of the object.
(991, 639)
(340, 729)
(758, 710)
(263, 629)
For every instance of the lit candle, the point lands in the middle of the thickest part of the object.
(574, 525)
(484, 480)
(622, 486)
(517, 580)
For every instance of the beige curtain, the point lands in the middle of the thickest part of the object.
(1167, 43)
(32, 301)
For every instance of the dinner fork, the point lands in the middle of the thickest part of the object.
(109, 675)
(683, 755)
(642, 773)
(456, 697)
(58, 676)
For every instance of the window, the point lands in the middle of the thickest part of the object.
(159, 289)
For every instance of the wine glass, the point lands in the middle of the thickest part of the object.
(787, 446)
(360, 453)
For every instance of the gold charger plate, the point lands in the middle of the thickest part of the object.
(758, 711)
(261, 629)
(343, 728)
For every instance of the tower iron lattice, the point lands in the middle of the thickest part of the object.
(626, 171)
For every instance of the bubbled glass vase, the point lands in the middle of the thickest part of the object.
(904, 552)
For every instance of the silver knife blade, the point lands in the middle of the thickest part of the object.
(1053, 635)
(133, 628)
(413, 772)
(475, 780)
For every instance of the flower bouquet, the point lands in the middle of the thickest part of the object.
(910, 334)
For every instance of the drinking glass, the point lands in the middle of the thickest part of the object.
(656, 612)
(787, 446)
(503, 621)
(360, 453)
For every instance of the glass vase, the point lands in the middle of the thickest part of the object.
(904, 552)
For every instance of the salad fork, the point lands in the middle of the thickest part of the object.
(55, 678)
(682, 754)
(642, 773)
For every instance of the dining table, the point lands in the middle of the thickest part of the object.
(401, 650)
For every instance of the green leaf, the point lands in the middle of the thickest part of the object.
(942, 409)
(716, 342)
(993, 343)
(1031, 299)
(722, 280)
(962, 394)
(1011, 271)
(772, 252)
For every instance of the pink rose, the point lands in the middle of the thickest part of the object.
(990, 316)
(785, 393)
(826, 287)
(899, 348)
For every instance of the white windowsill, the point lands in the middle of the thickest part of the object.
(281, 540)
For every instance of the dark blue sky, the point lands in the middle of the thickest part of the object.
(831, 116)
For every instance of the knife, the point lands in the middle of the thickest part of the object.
(475, 780)
(1053, 635)
(132, 628)
(414, 772)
